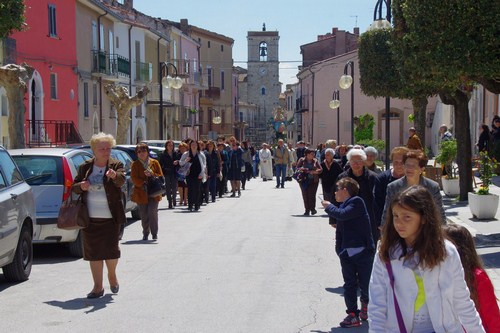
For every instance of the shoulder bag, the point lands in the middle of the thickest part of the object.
(155, 186)
(73, 214)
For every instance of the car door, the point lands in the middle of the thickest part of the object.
(12, 197)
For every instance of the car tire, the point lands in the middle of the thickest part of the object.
(136, 214)
(20, 268)
(76, 247)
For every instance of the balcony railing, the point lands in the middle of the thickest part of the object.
(212, 92)
(43, 133)
(154, 95)
(110, 64)
(143, 71)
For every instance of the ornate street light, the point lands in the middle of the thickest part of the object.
(384, 23)
(167, 82)
(345, 82)
(335, 104)
(216, 120)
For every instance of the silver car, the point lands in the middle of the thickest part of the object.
(50, 172)
(17, 221)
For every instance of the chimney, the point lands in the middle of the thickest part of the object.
(184, 26)
(334, 30)
(356, 31)
(128, 4)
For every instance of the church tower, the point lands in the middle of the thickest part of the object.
(263, 84)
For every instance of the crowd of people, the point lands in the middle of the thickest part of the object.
(413, 272)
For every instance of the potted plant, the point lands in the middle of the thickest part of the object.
(446, 157)
(483, 204)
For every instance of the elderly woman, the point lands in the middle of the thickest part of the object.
(366, 180)
(143, 168)
(414, 166)
(100, 180)
(169, 161)
(197, 174)
(309, 166)
(371, 156)
(341, 155)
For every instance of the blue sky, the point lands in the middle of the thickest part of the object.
(298, 22)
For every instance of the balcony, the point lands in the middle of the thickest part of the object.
(143, 71)
(212, 93)
(51, 133)
(154, 95)
(111, 66)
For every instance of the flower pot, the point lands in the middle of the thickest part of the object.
(451, 187)
(483, 206)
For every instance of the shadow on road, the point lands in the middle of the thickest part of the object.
(361, 329)
(51, 253)
(338, 290)
(83, 303)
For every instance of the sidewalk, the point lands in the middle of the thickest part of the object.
(485, 232)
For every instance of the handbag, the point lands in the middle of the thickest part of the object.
(155, 186)
(183, 171)
(73, 214)
(401, 323)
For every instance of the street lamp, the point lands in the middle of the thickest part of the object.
(335, 104)
(217, 118)
(380, 23)
(344, 83)
(166, 82)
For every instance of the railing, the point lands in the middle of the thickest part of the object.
(212, 92)
(144, 71)
(154, 95)
(51, 133)
(110, 64)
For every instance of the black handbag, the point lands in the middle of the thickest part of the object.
(155, 186)
(73, 214)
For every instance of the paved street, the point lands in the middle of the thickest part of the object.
(252, 264)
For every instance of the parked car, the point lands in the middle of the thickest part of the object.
(130, 149)
(17, 221)
(125, 158)
(160, 143)
(50, 172)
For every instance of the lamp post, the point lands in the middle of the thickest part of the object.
(380, 23)
(345, 82)
(335, 104)
(166, 82)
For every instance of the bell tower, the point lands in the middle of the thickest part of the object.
(263, 84)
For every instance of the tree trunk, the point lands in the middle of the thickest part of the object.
(419, 110)
(123, 123)
(15, 78)
(460, 102)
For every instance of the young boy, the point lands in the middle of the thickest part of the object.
(354, 246)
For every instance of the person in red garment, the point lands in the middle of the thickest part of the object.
(478, 282)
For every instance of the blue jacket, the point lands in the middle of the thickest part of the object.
(353, 224)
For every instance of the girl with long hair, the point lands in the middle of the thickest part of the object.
(479, 284)
(417, 282)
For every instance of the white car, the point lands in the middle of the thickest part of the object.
(17, 221)
(50, 173)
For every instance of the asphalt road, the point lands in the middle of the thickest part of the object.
(249, 264)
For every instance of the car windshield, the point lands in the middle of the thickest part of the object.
(40, 170)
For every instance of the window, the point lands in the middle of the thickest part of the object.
(208, 44)
(52, 21)
(263, 51)
(53, 86)
(222, 84)
(263, 90)
(94, 94)
(9, 168)
(101, 37)
(209, 76)
(94, 35)
(117, 42)
(86, 99)
(222, 48)
(3, 105)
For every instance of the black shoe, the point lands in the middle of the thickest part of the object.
(115, 289)
(282, 186)
(239, 193)
(145, 237)
(95, 295)
(314, 211)
(155, 237)
(196, 208)
(277, 186)
(170, 204)
(233, 195)
(306, 213)
(265, 179)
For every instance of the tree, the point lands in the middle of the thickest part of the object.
(118, 95)
(444, 47)
(11, 17)
(15, 78)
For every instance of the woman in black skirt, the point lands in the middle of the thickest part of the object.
(100, 180)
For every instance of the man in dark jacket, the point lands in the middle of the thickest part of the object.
(354, 246)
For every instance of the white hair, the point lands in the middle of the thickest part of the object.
(102, 137)
(356, 152)
(330, 150)
(371, 150)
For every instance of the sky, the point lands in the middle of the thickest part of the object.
(298, 22)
